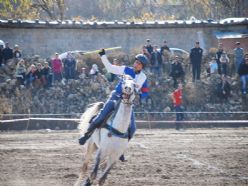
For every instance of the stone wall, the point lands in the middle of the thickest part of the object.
(45, 38)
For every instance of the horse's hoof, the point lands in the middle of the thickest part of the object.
(87, 182)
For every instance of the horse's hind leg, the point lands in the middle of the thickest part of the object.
(91, 148)
(109, 165)
(93, 174)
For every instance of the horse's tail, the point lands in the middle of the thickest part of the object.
(90, 112)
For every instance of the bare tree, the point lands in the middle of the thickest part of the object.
(54, 9)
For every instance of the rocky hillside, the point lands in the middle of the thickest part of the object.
(72, 96)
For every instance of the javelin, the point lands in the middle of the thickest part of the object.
(106, 49)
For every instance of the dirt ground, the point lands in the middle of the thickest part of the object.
(194, 157)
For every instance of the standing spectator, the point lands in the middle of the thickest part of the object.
(243, 73)
(164, 47)
(195, 59)
(70, 66)
(47, 75)
(148, 56)
(156, 62)
(165, 52)
(223, 88)
(17, 53)
(146, 53)
(177, 97)
(176, 71)
(218, 55)
(238, 55)
(7, 53)
(213, 66)
(224, 60)
(149, 46)
(1, 55)
(57, 68)
(20, 72)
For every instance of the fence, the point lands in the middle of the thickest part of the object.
(143, 120)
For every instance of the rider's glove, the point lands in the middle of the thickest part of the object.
(102, 52)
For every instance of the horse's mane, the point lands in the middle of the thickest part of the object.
(91, 111)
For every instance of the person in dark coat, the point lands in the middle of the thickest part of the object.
(47, 75)
(70, 66)
(243, 73)
(156, 62)
(195, 60)
(176, 71)
(7, 53)
(149, 46)
(218, 55)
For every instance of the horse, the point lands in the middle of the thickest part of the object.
(110, 141)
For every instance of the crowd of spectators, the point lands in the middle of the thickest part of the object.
(160, 65)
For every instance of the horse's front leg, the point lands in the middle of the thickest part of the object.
(96, 166)
(108, 167)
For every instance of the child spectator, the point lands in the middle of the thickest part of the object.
(224, 60)
(20, 72)
(213, 66)
(17, 53)
(177, 97)
(31, 76)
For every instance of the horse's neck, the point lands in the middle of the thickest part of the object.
(122, 118)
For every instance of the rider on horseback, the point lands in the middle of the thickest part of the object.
(141, 87)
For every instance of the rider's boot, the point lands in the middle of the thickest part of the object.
(97, 121)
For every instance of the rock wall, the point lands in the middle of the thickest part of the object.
(72, 97)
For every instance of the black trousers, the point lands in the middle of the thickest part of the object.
(196, 71)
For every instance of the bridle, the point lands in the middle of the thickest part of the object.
(128, 90)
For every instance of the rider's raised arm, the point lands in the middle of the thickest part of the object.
(114, 69)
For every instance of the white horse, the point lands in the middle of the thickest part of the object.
(110, 142)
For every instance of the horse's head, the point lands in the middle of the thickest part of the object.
(128, 88)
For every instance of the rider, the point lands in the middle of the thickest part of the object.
(141, 87)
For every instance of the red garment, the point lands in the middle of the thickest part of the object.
(57, 66)
(178, 96)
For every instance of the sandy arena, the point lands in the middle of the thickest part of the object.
(194, 157)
